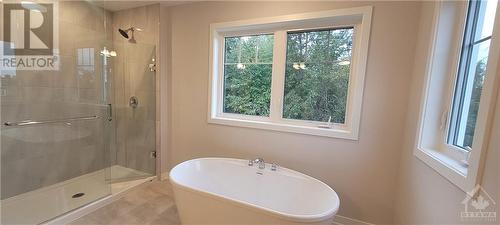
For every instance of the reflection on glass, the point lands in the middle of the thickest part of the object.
(85, 59)
(486, 19)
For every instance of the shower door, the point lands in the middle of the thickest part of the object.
(135, 110)
(56, 126)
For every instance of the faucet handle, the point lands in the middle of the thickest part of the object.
(274, 167)
(250, 162)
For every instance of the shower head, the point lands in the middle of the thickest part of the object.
(125, 32)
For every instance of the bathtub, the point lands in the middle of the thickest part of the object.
(218, 191)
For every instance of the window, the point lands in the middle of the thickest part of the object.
(317, 74)
(471, 74)
(248, 64)
(458, 93)
(300, 73)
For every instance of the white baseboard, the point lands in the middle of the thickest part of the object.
(342, 220)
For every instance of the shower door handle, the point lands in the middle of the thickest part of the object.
(31, 122)
(110, 112)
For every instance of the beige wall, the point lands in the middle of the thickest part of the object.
(362, 172)
(164, 126)
(424, 196)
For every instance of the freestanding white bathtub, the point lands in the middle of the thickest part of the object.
(224, 191)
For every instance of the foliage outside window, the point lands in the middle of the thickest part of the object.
(316, 77)
(248, 66)
(317, 74)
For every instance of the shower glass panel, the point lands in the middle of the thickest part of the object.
(135, 110)
(56, 128)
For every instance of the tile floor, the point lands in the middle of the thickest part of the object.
(149, 204)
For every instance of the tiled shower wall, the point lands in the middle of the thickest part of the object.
(37, 156)
(135, 128)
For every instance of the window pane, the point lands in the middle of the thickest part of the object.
(317, 74)
(473, 86)
(247, 74)
(486, 18)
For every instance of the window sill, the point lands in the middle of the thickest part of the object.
(284, 127)
(445, 165)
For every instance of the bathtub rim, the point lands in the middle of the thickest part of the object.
(290, 217)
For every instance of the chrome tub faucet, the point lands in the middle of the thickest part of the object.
(259, 161)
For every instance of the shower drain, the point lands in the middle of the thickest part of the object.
(77, 195)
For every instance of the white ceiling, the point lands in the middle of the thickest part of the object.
(118, 5)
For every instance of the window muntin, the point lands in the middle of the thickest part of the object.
(248, 62)
(471, 74)
(317, 74)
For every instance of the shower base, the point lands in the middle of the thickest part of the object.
(49, 202)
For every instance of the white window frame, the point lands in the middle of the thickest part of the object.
(359, 18)
(443, 157)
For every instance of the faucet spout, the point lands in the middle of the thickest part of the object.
(261, 162)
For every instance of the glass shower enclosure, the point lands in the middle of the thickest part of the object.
(76, 132)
